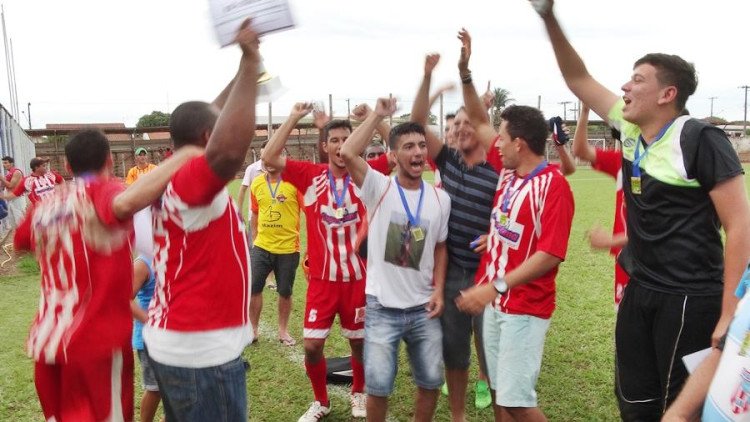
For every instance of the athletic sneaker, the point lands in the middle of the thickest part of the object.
(359, 405)
(315, 413)
(483, 397)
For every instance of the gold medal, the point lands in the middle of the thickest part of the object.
(417, 233)
(635, 185)
(339, 213)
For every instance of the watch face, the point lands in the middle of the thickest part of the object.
(501, 286)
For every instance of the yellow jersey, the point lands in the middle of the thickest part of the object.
(277, 204)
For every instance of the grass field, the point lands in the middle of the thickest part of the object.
(577, 370)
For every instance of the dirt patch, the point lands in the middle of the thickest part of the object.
(10, 266)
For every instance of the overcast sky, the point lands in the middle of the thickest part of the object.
(85, 61)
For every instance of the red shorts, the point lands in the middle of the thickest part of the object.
(325, 299)
(621, 280)
(93, 390)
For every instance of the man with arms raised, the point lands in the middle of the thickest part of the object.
(469, 175)
(198, 320)
(406, 263)
(682, 182)
(334, 214)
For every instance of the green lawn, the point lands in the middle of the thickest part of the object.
(577, 371)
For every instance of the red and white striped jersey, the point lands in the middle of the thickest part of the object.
(538, 217)
(331, 234)
(38, 187)
(84, 255)
(201, 257)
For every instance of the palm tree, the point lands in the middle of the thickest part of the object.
(501, 99)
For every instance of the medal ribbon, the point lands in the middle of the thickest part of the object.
(510, 191)
(339, 199)
(413, 220)
(275, 189)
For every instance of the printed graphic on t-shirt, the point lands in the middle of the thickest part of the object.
(335, 217)
(404, 244)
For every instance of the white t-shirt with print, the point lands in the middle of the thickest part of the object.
(400, 261)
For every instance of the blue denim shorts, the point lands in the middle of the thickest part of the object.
(216, 393)
(384, 330)
(147, 373)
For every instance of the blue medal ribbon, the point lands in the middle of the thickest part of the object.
(413, 220)
(510, 191)
(646, 149)
(339, 199)
(275, 189)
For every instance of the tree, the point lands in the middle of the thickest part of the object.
(155, 119)
(501, 99)
(431, 118)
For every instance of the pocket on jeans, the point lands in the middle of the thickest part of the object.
(180, 386)
(372, 303)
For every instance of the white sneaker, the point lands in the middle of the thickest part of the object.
(359, 405)
(315, 413)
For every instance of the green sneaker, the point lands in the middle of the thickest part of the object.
(483, 398)
(444, 388)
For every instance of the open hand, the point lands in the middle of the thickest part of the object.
(463, 61)
(300, 110)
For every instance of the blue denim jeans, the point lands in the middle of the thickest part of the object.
(384, 330)
(216, 393)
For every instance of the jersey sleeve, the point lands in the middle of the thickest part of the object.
(373, 188)
(196, 183)
(608, 162)
(715, 160)
(253, 197)
(380, 164)
(300, 173)
(557, 219)
(103, 198)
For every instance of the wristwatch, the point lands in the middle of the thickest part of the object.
(500, 285)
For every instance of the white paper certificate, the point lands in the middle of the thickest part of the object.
(268, 16)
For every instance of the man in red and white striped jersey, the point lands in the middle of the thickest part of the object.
(39, 184)
(198, 321)
(334, 215)
(80, 233)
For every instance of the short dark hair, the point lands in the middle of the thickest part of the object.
(527, 123)
(189, 121)
(9, 159)
(403, 129)
(673, 70)
(449, 116)
(336, 124)
(87, 151)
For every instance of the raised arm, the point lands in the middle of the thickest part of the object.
(149, 187)
(420, 111)
(273, 154)
(235, 127)
(574, 71)
(320, 120)
(351, 151)
(581, 147)
(361, 112)
(475, 107)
